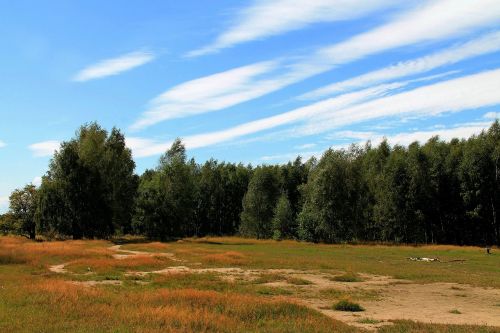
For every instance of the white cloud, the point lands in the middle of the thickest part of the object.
(305, 146)
(484, 44)
(492, 115)
(290, 156)
(145, 147)
(2, 144)
(37, 181)
(432, 21)
(468, 92)
(443, 19)
(303, 113)
(142, 147)
(44, 148)
(208, 93)
(268, 18)
(113, 66)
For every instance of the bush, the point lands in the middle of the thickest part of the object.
(345, 305)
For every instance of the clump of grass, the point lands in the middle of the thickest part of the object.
(346, 305)
(368, 321)
(11, 257)
(461, 295)
(268, 278)
(226, 258)
(455, 311)
(456, 288)
(347, 277)
(298, 281)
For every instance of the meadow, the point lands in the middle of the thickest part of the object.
(244, 285)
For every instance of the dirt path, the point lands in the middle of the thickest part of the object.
(384, 298)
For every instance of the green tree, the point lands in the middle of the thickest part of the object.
(259, 202)
(90, 183)
(283, 219)
(23, 207)
(334, 199)
(166, 200)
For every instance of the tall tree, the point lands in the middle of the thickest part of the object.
(23, 208)
(259, 202)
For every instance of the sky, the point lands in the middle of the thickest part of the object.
(242, 81)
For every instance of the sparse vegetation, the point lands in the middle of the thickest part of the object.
(368, 321)
(346, 305)
(455, 311)
(347, 277)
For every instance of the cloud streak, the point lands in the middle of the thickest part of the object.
(44, 148)
(209, 93)
(264, 19)
(464, 93)
(487, 43)
(443, 19)
(2, 144)
(113, 66)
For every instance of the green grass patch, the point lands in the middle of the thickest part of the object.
(345, 305)
(347, 277)
(455, 311)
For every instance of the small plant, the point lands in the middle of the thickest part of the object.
(345, 305)
(455, 311)
(368, 321)
(347, 277)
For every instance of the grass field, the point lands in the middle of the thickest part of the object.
(243, 285)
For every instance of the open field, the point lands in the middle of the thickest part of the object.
(244, 285)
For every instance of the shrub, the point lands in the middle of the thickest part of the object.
(345, 305)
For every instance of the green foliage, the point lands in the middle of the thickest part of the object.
(22, 209)
(9, 224)
(259, 202)
(283, 221)
(90, 187)
(334, 199)
(347, 277)
(345, 305)
(438, 192)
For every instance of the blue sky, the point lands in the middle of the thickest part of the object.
(250, 81)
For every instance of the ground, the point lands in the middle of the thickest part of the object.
(243, 285)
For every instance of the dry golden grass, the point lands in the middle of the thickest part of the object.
(226, 258)
(45, 253)
(108, 264)
(185, 310)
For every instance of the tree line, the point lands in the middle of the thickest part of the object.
(438, 192)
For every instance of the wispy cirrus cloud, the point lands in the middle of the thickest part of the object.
(209, 93)
(443, 19)
(492, 115)
(44, 148)
(484, 44)
(263, 19)
(459, 94)
(113, 66)
(2, 144)
(146, 147)
(463, 93)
